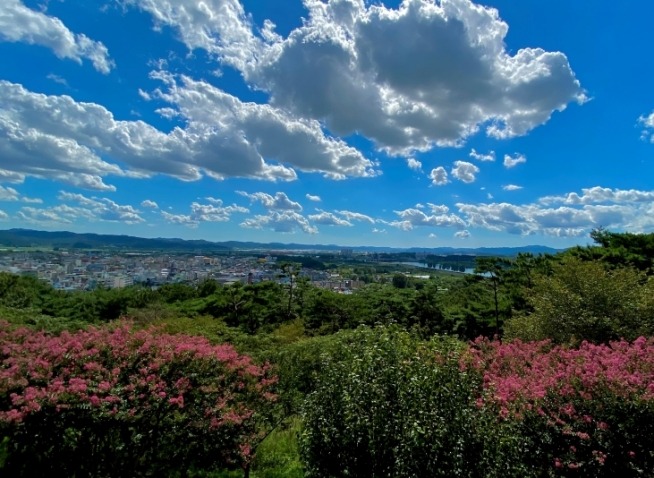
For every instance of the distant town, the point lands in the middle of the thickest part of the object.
(87, 270)
(70, 261)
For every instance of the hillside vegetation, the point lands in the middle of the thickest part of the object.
(537, 366)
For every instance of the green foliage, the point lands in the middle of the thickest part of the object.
(299, 365)
(619, 249)
(278, 456)
(21, 291)
(585, 301)
(248, 307)
(400, 281)
(387, 404)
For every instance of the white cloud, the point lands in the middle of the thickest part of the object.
(356, 216)
(181, 219)
(352, 66)
(31, 200)
(8, 194)
(647, 122)
(414, 164)
(511, 187)
(236, 138)
(220, 27)
(213, 212)
(57, 79)
(100, 209)
(619, 210)
(438, 208)
(328, 219)
(438, 176)
(462, 234)
(56, 137)
(378, 231)
(512, 161)
(11, 177)
(41, 216)
(21, 24)
(313, 198)
(482, 157)
(279, 202)
(3, 216)
(464, 171)
(432, 236)
(148, 203)
(598, 194)
(410, 218)
(286, 221)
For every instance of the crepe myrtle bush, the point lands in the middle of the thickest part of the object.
(586, 411)
(123, 402)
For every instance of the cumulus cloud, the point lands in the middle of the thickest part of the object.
(279, 202)
(11, 177)
(598, 194)
(103, 209)
(285, 221)
(438, 208)
(181, 219)
(482, 157)
(464, 171)
(8, 194)
(410, 218)
(408, 78)
(148, 203)
(313, 198)
(462, 234)
(58, 138)
(438, 176)
(213, 212)
(647, 123)
(511, 187)
(414, 164)
(572, 219)
(42, 216)
(356, 216)
(512, 161)
(328, 219)
(21, 24)
(233, 137)
(220, 27)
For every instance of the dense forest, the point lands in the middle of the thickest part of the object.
(537, 365)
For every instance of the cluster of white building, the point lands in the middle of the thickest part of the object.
(73, 270)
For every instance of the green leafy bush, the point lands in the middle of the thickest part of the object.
(389, 405)
(585, 301)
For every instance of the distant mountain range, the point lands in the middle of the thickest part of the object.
(71, 240)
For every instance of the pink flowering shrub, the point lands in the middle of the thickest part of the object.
(121, 402)
(586, 411)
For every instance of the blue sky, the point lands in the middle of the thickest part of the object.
(414, 123)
